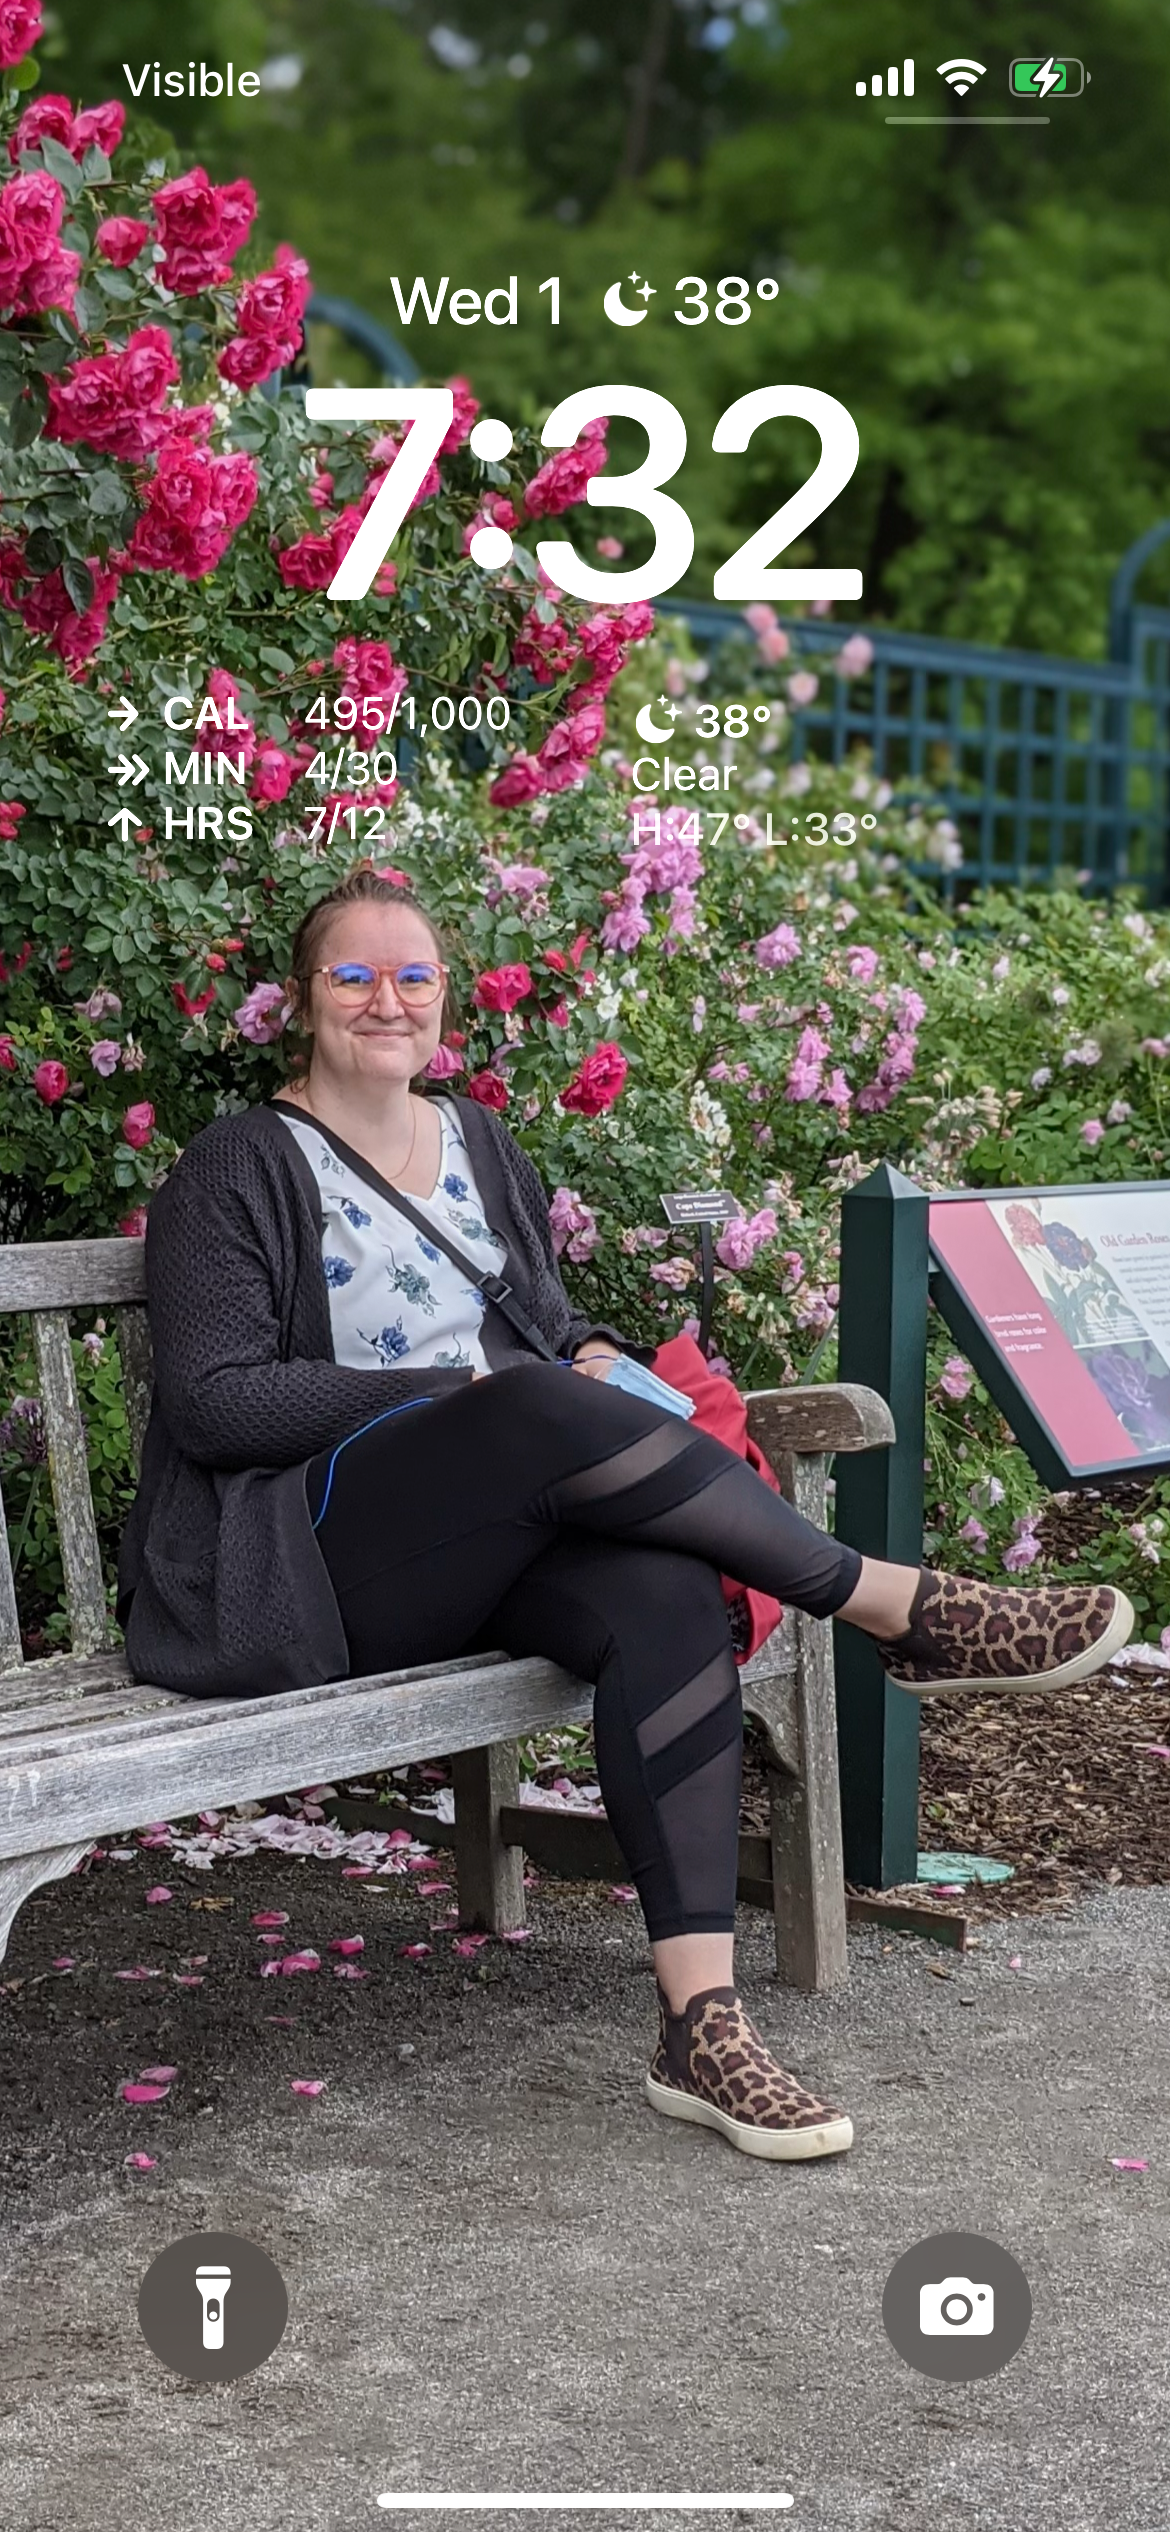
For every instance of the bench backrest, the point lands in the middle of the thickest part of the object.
(47, 1279)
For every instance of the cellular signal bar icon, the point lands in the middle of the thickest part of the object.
(875, 88)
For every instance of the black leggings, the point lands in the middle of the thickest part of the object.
(540, 1511)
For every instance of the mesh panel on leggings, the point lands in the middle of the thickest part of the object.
(738, 1524)
(686, 1816)
(622, 1469)
(687, 1706)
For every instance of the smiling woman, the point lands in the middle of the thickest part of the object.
(363, 1454)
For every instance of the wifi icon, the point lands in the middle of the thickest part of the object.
(961, 75)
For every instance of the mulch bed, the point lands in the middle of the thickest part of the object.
(1061, 1787)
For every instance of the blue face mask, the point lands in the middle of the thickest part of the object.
(641, 1383)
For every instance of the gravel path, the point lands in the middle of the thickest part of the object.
(504, 2272)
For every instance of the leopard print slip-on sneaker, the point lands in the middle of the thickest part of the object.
(977, 1635)
(711, 2066)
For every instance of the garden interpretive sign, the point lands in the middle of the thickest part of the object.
(1060, 1297)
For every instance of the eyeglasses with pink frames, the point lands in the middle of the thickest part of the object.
(353, 983)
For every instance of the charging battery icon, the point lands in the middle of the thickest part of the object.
(1047, 75)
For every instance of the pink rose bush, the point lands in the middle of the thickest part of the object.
(269, 313)
(649, 1002)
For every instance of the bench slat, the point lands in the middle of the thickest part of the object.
(205, 1756)
(85, 1593)
(62, 1674)
(70, 1715)
(71, 1274)
(11, 1651)
(838, 1416)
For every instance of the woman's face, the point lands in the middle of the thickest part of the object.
(385, 1042)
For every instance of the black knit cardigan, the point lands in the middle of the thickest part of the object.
(222, 1588)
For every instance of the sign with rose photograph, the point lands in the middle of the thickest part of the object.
(1061, 1296)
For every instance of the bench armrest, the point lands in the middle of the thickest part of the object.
(831, 1416)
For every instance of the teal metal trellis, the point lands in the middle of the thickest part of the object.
(1044, 764)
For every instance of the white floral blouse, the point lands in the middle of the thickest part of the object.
(393, 1297)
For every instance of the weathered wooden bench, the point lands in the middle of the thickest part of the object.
(86, 1753)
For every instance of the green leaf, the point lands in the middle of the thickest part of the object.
(114, 284)
(78, 580)
(26, 73)
(279, 660)
(107, 494)
(95, 166)
(87, 307)
(62, 165)
(42, 552)
(29, 414)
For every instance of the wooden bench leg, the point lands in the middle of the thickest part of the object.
(808, 1878)
(22, 1874)
(490, 1873)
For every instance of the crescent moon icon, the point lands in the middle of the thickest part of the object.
(616, 310)
(647, 727)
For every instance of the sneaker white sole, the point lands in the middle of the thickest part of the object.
(773, 2145)
(1065, 1675)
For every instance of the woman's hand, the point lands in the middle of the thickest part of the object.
(597, 1359)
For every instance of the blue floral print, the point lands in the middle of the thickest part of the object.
(390, 1345)
(378, 1268)
(412, 1286)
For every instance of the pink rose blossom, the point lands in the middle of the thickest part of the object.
(974, 1533)
(133, 1225)
(20, 28)
(854, 656)
(113, 401)
(501, 988)
(521, 779)
(1092, 1132)
(312, 560)
(104, 1056)
(522, 879)
(803, 687)
(262, 1014)
(778, 948)
(673, 1271)
(742, 1236)
(598, 1081)
(202, 226)
(195, 502)
(489, 1090)
(1022, 1553)
(444, 1064)
(50, 1082)
(575, 1233)
(269, 314)
(138, 1125)
(564, 478)
(862, 963)
(494, 511)
(954, 1380)
(121, 239)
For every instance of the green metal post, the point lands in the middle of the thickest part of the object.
(882, 1343)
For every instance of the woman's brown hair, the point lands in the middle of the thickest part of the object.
(362, 887)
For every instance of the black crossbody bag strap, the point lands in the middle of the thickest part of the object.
(492, 1286)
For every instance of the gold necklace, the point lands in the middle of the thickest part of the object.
(392, 1176)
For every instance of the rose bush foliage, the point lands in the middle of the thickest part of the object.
(653, 1000)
